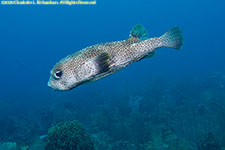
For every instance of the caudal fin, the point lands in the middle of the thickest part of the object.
(173, 38)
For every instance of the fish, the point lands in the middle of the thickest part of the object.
(101, 60)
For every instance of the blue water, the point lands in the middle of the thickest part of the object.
(33, 38)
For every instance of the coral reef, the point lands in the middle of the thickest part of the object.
(122, 145)
(209, 142)
(8, 146)
(164, 115)
(68, 136)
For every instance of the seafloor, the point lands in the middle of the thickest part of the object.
(184, 114)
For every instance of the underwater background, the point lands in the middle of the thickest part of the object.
(173, 101)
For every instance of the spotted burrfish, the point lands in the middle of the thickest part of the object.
(100, 60)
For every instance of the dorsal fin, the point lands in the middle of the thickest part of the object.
(139, 32)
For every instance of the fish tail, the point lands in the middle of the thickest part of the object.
(173, 38)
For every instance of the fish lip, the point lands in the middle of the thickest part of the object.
(64, 88)
(49, 84)
(52, 87)
(56, 89)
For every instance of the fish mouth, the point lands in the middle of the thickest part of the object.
(53, 88)
(56, 88)
(49, 84)
(61, 86)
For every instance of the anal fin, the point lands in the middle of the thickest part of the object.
(150, 55)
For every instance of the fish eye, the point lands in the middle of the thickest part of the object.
(58, 74)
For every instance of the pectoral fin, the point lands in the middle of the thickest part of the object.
(102, 62)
